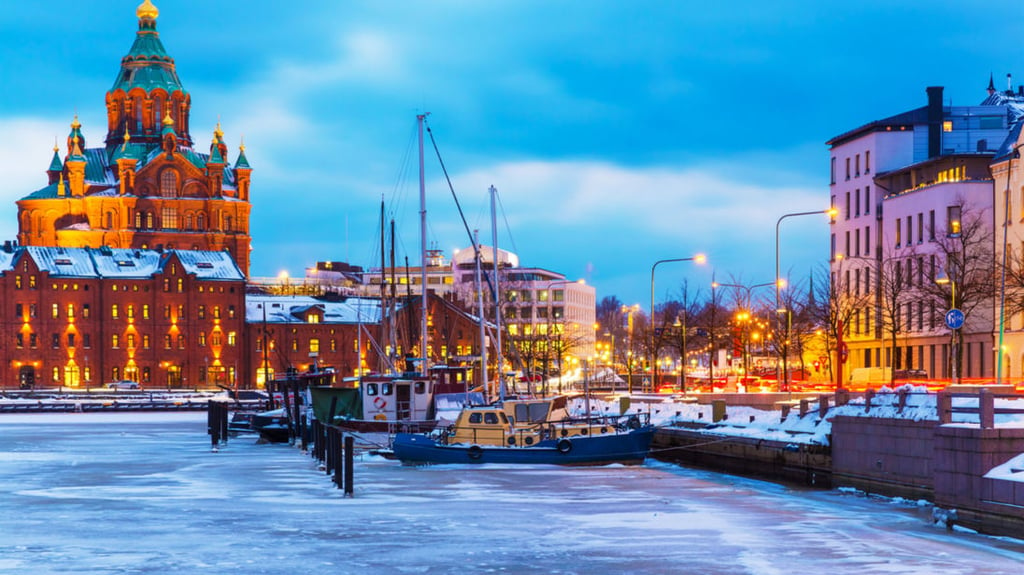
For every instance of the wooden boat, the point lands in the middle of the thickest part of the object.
(488, 435)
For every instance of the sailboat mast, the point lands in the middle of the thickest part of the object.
(424, 368)
(483, 323)
(383, 292)
(497, 295)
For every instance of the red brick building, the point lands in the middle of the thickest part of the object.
(80, 317)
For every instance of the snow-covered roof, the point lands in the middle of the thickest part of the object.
(288, 308)
(108, 262)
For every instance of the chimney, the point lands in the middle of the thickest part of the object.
(934, 120)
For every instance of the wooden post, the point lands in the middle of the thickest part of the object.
(868, 396)
(822, 406)
(803, 407)
(349, 450)
(225, 414)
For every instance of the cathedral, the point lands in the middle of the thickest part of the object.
(145, 187)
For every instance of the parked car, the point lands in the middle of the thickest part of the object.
(123, 384)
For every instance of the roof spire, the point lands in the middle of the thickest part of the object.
(61, 190)
(991, 84)
(147, 11)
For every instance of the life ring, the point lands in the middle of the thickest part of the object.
(475, 452)
(379, 402)
(564, 446)
(604, 430)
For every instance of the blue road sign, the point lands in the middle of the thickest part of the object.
(954, 319)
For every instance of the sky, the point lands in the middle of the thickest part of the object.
(617, 134)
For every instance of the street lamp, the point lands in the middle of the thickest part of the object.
(681, 325)
(700, 259)
(831, 212)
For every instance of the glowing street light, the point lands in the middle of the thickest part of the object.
(699, 259)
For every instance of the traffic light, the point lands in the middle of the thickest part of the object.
(817, 365)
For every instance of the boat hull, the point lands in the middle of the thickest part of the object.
(627, 448)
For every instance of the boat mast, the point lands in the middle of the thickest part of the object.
(424, 368)
(497, 296)
(385, 368)
(480, 306)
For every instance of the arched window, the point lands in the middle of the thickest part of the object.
(201, 222)
(158, 113)
(169, 184)
(138, 220)
(110, 220)
(188, 221)
(227, 223)
(138, 115)
(149, 220)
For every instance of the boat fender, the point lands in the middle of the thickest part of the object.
(511, 440)
(633, 422)
(564, 446)
(565, 432)
(584, 431)
(380, 417)
(528, 441)
(604, 430)
(475, 452)
(379, 402)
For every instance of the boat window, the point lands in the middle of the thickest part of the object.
(371, 389)
(387, 389)
(491, 418)
(503, 418)
(475, 417)
(420, 388)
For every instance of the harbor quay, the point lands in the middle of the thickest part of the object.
(143, 492)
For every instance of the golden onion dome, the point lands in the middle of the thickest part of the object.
(147, 10)
(168, 121)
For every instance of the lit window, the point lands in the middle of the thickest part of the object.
(947, 126)
(314, 345)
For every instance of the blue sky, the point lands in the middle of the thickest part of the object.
(617, 133)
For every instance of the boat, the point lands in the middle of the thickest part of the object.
(390, 403)
(273, 425)
(486, 434)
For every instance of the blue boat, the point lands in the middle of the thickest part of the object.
(488, 435)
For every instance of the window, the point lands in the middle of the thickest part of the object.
(55, 311)
(169, 218)
(899, 232)
(130, 311)
(314, 343)
(947, 126)
(114, 313)
(202, 312)
(910, 230)
(145, 311)
(920, 228)
(33, 340)
(202, 339)
(168, 184)
(130, 340)
(19, 340)
(867, 240)
(867, 161)
(181, 285)
(833, 173)
(953, 221)
(231, 312)
(145, 341)
(167, 341)
(856, 166)
(86, 341)
(115, 341)
(856, 242)
(181, 341)
(295, 345)
(71, 311)
(867, 200)
(856, 203)
(847, 168)
(216, 312)
(931, 225)
(71, 340)
(233, 339)
(32, 282)
(17, 282)
(846, 212)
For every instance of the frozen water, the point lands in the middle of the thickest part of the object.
(144, 493)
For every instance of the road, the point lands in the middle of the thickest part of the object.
(143, 493)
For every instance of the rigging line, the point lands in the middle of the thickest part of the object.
(462, 214)
(508, 228)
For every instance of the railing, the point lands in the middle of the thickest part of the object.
(985, 408)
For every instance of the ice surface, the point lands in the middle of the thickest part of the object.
(143, 493)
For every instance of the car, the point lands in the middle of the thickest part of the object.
(123, 384)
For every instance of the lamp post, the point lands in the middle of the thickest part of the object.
(681, 324)
(1002, 273)
(831, 212)
(700, 259)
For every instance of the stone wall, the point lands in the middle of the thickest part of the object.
(963, 454)
(889, 456)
